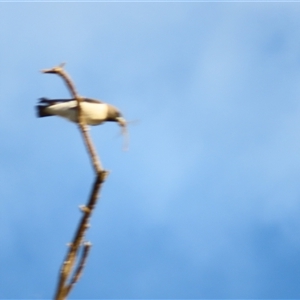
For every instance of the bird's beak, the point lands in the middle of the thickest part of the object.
(122, 122)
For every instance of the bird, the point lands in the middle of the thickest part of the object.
(94, 112)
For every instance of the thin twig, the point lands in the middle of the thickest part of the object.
(91, 149)
(81, 265)
(59, 70)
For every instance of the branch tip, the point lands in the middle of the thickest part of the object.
(88, 244)
(54, 70)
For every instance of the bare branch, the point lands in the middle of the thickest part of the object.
(59, 70)
(91, 149)
(63, 287)
(69, 262)
(81, 122)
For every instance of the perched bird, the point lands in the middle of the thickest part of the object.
(94, 112)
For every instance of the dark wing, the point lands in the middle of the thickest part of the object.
(92, 100)
(55, 101)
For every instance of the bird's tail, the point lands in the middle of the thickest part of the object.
(41, 111)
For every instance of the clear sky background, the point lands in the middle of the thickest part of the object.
(206, 203)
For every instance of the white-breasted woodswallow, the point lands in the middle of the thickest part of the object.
(94, 112)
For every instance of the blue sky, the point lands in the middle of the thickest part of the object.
(206, 202)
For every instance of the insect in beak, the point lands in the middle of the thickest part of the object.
(123, 124)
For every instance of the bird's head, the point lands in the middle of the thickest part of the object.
(114, 115)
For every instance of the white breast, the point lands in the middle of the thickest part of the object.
(94, 113)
